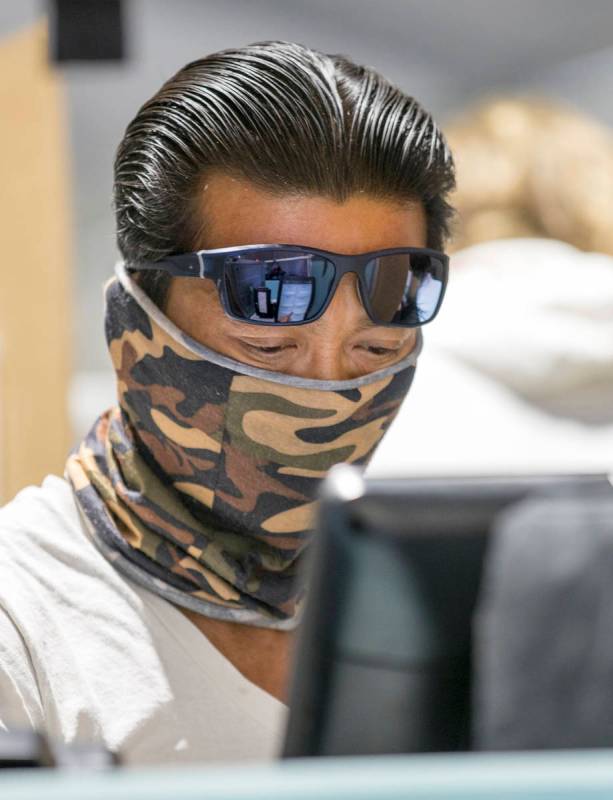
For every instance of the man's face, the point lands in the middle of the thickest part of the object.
(343, 343)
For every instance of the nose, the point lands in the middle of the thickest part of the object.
(327, 364)
(328, 353)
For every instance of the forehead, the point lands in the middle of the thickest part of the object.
(235, 212)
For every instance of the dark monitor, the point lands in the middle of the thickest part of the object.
(383, 660)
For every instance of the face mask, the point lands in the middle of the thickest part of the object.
(202, 484)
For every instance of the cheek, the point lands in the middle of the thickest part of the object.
(409, 343)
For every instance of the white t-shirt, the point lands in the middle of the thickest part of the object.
(86, 654)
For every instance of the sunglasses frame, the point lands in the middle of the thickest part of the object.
(212, 264)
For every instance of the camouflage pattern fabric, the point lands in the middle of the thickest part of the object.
(201, 484)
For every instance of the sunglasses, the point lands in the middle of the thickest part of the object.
(278, 284)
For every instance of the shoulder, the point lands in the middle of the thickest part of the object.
(44, 545)
(72, 628)
(37, 512)
(46, 556)
(21, 705)
(49, 565)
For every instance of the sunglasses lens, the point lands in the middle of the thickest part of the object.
(404, 288)
(277, 286)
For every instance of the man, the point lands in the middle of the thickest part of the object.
(149, 599)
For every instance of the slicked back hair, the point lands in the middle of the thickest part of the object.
(287, 118)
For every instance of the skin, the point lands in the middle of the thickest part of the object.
(341, 345)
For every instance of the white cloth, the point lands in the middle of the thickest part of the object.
(516, 374)
(85, 654)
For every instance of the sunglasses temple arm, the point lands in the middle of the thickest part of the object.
(187, 265)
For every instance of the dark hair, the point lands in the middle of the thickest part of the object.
(286, 118)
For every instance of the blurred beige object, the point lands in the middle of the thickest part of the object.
(528, 167)
(34, 277)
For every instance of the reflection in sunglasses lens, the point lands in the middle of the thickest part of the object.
(278, 286)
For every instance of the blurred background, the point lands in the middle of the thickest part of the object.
(485, 391)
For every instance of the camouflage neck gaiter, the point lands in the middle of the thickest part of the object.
(201, 484)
